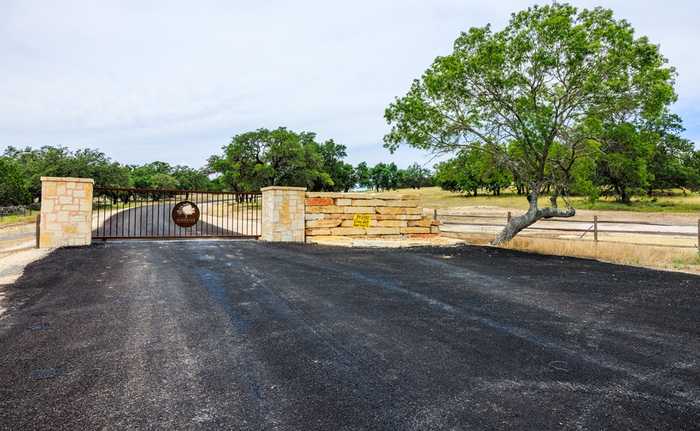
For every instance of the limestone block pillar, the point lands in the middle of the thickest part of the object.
(283, 214)
(66, 212)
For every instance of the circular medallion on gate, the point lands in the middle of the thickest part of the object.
(185, 214)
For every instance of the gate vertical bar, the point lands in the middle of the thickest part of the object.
(153, 212)
(97, 229)
(112, 218)
(159, 214)
(120, 214)
(141, 209)
(162, 205)
(100, 210)
(129, 215)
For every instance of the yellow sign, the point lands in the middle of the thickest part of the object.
(361, 220)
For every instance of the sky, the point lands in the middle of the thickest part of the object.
(175, 80)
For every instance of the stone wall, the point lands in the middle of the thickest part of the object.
(391, 216)
(66, 212)
(282, 214)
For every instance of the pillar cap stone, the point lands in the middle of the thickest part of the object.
(296, 189)
(68, 180)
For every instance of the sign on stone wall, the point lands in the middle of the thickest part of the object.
(361, 220)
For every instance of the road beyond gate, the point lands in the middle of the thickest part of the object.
(120, 213)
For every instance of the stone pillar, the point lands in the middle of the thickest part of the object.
(66, 212)
(283, 214)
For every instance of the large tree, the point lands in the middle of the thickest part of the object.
(61, 162)
(385, 176)
(35, 163)
(530, 95)
(342, 175)
(191, 179)
(13, 186)
(271, 157)
(363, 175)
(670, 163)
(462, 173)
(416, 176)
(692, 164)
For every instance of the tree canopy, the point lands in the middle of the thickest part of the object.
(283, 157)
(270, 157)
(252, 160)
(22, 170)
(14, 188)
(541, 96)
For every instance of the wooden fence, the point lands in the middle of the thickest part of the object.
(596, 227)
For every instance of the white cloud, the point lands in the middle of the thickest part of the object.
(175, 81)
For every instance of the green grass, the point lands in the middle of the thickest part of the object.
(434, 197)
(14, 219)
(674, 204)
(687, 262)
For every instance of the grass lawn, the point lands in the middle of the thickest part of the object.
(657, 256)
(12, 219)
(434, 197)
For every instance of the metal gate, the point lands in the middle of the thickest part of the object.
(122, 213)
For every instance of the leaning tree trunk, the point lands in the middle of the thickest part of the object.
(533, 214)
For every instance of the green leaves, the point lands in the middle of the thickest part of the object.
(282, 157)
(472, 169)
(61, 162)
(13, 187)
(535, 94)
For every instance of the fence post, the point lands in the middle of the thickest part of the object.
(435, 215)
(38, 229)
(595, 228)
(508, 217)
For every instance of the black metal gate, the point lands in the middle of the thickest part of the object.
(121, 213)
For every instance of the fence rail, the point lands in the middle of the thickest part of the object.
(18, 210)
(595, 226)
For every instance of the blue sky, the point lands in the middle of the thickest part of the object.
(174, 81)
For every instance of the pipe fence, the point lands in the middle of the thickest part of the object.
(596, 227)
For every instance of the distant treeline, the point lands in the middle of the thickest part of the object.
(620, 168)
(263, 157)
(251, 161)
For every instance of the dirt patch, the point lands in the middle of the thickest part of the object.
(345, 241)
(17, 237)
(12, 267)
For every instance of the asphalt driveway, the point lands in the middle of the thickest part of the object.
(248, 335)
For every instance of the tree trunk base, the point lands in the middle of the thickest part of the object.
(517, 224)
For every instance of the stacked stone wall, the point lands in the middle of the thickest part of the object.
(391, 216)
